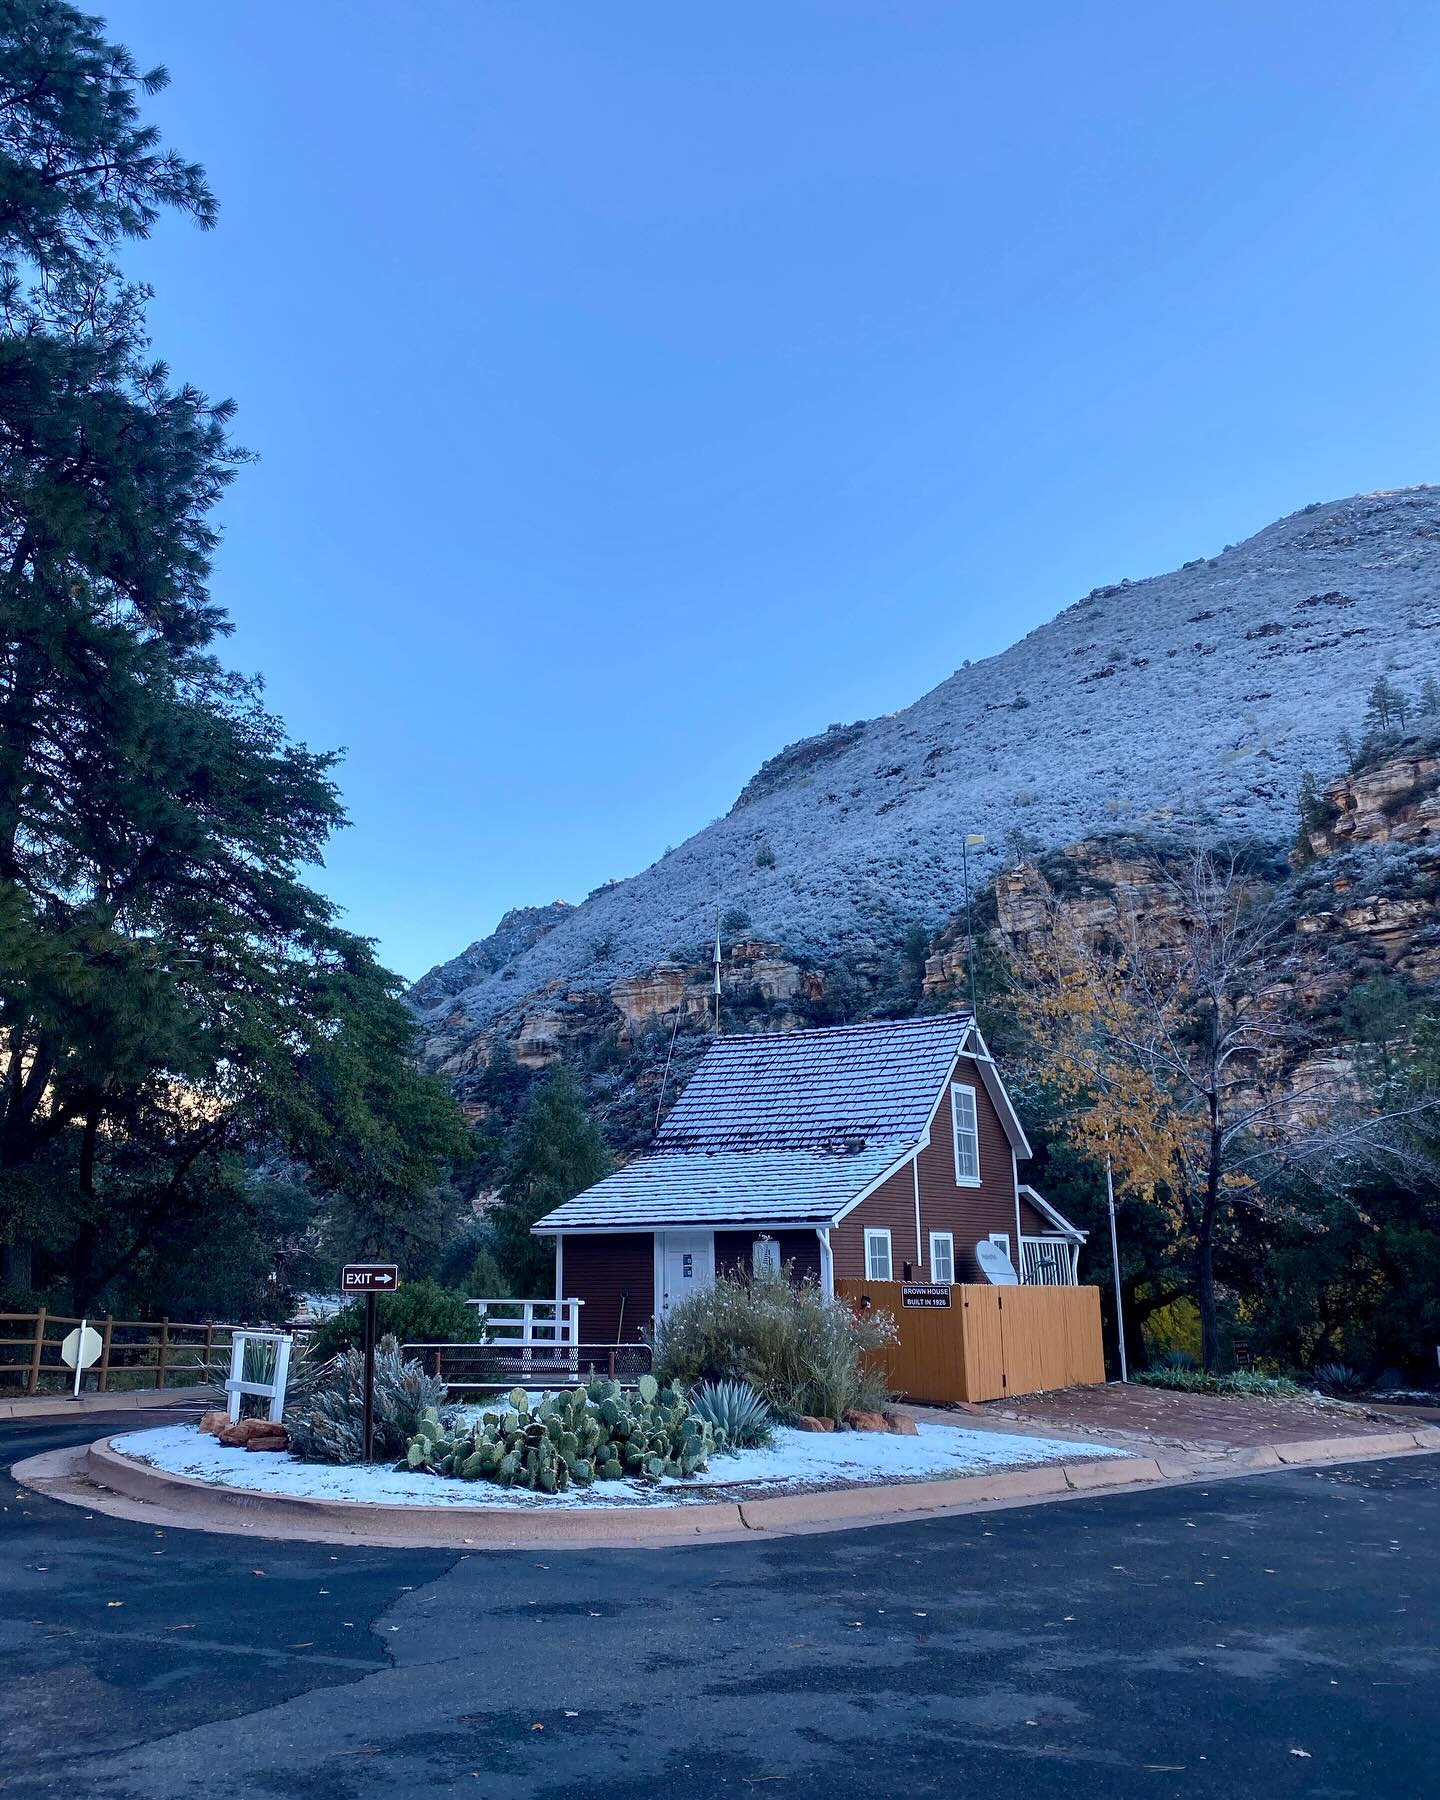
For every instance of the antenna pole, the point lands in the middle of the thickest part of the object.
(717, 971)
(969, 933)
(1115, 1268)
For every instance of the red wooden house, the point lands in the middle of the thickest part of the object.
(881, 1152)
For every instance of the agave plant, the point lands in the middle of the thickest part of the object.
(741, 1419)
(1337, 1378)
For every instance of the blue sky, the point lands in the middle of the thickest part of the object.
(640, 387)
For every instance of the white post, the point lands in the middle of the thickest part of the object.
(1115, 1268)
(827, 1262)
(559, 1279)
(280, 1376)
(79, 1364)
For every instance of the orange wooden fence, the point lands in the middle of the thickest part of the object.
(990, 1341)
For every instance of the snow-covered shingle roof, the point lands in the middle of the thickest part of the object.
(776, 1187)
(786, 1128)
(794, 1090)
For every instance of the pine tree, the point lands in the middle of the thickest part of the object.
(556, 1151)
(174, 995)
(1386, 707)
(1430, 696)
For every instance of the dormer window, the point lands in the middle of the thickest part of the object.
(965, 1129)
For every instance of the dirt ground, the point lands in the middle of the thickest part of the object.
(1196, 1421)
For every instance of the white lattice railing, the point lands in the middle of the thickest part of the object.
(1049, 1261)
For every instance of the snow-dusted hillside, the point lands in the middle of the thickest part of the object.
(1196, 697)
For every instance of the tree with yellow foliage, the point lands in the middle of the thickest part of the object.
(1166, 1040)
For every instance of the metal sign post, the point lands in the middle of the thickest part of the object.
(80, 1349)
(369, 1279)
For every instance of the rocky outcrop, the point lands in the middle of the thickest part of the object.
(520, 930)
(1396, 801)
(1369, 903)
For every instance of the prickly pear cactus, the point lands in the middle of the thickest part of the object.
(571, 1438)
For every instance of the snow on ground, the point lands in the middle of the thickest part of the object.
(797, 1460)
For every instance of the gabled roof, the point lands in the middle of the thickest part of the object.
(727, 1187)
(840, 1088)
(1052, 1213)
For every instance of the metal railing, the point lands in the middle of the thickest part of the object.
(1049, 1261)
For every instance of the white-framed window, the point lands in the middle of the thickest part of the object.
(965, 1128)
(1001, 1240)
(942, 1256)
(878, 1265)
(765, 1256)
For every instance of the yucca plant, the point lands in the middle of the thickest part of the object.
(741, 1419)
(1337, 1378)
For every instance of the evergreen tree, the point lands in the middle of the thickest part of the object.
(1430, 696)
(554, 1153)
(173, 995)
(914, 952)
(1386, 707)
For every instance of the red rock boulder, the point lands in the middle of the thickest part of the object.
(866, 1421)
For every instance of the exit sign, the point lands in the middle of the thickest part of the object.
(369, 1278)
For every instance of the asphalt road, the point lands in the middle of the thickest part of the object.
(1275, 1636)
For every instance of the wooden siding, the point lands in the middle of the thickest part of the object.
(991, 1342)
(970, 1213)
(734, 1250)
(1032, 1221)
(614, 1274)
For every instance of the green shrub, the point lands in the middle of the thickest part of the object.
(594, 1433)
(326, 1419)
(740, 1418)
(1242, 1381)
(418, 1312)
(802, 1353)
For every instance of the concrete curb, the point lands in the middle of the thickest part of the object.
(501, 1527)
(202, 1506)
(1338, 1449)
(54, 1406)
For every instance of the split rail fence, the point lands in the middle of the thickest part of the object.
(134, 1353)
(990, 1342)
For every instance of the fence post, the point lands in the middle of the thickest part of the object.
(160, 1358)
(105, 1337)
(33, 1386)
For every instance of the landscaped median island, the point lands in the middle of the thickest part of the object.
(795, 1461)
(761, 1389)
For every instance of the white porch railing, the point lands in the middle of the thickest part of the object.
(528, 1324)
(1049, 1261)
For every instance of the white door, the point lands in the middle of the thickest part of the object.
(684, 1263)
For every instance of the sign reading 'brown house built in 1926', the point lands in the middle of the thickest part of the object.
(924, 1294)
